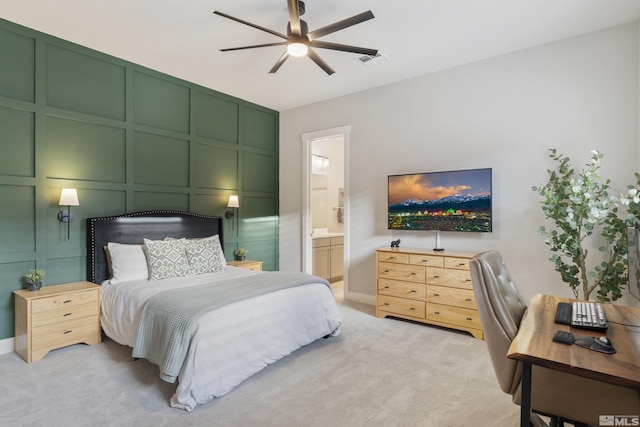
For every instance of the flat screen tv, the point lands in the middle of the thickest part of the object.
(441, 201)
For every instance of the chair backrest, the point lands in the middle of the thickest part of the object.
(501, 308)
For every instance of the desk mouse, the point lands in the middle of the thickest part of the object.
(600, 344)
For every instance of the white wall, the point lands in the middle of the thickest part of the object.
(505, 113)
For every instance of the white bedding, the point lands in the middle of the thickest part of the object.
(233, 342)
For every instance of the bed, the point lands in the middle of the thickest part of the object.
(236, 334)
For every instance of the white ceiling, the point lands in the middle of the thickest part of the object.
(182, 38)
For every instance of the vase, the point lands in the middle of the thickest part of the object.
(34, 286)
(240, 257)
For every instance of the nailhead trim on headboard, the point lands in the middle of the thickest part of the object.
(91, 232)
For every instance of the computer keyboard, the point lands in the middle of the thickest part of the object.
(582, 314)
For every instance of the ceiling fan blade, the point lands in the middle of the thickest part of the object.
(257, 27)
(343, 47)
(340, 25)
(315, 58)
(294, 17)
(278, 64)
(253, 46)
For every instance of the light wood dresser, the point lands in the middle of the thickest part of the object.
(248, 264)
(427, 286)
(56, 316)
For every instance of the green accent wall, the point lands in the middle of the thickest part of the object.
(128, 139)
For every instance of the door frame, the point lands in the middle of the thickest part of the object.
(307, 252)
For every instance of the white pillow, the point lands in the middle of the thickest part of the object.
(128, 262)
(167, 258)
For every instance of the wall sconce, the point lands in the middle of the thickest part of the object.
(233, 204)
(68, 198)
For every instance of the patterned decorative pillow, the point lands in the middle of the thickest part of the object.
(167, 258)
(204, 256)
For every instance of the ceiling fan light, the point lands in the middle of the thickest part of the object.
(297, 49)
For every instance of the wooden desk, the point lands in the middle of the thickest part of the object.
(533, 345)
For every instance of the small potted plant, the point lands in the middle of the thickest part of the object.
(33, 279)
(240, 254)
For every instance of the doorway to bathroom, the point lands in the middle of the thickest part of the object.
(325, 211)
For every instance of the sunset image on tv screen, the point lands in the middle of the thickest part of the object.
(445, 201)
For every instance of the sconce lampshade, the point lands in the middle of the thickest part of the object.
(69, 197)
(233, 202)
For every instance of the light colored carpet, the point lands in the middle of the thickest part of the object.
(378, 372)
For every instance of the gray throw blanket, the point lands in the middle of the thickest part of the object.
(168, 318)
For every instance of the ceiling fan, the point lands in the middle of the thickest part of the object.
(300, 41)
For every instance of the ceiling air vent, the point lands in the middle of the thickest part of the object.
(369, 60)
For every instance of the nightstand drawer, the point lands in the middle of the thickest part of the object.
(65, 300)
(62, 334)
(63, 314)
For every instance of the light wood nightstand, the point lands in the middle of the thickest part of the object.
(56, 316)
(248, 264)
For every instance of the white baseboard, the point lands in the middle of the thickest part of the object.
(6, 346)
(361, 298)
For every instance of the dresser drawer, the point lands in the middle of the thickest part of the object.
(393, 257)
(63, 314)
(426, 260)
(401, 306)
(396, 288)
(457, 316)
(403, 272)
(449, 277)
(457, 263)
(62, 334)
(451, 296)
(64, 300)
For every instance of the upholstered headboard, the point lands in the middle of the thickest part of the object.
(132, 228)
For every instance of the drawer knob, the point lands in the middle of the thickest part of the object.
(436, 312)
(468, 299)
(469, 318)
(467, 280)
(66, 301)
(461, 264)
(413, 291)
(386, 303)
(67, 332)
(412, 309)
(386, 287)
(413, 274)
(436, 277)
(392, 257)
(67, 314)
(386, 271)
(436, 295)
